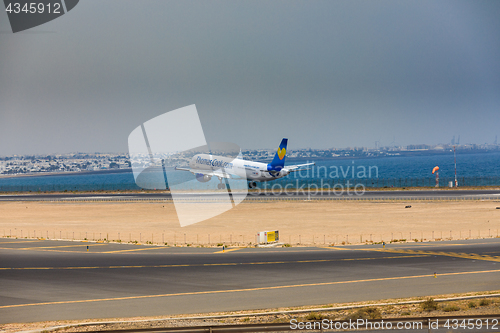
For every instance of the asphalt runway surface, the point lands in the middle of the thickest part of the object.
(59, 280)
(368, 195)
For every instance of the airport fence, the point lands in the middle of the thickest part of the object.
(383, 182)
(239, 239)
(289, 183)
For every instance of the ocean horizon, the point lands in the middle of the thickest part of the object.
(477, 169)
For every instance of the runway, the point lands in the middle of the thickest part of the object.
(56, 280)
(301, 194)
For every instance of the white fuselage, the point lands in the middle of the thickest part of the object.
(253, 171)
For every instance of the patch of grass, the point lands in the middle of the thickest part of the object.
(406, 313)
(220, 244)
(365, 313)
(286, 245)
(315, 316)
(245, 320)
(472, 305)
(402, 240)
(484, 302)
(429, 305)
(451, 308)
(281, 320)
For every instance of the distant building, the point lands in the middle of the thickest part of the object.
(418, 147)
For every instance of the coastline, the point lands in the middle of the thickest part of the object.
(67, 173)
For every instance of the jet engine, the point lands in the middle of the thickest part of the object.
(203, 178)
(284, 172)
(281, 173)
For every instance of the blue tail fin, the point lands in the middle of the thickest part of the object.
(279, 159)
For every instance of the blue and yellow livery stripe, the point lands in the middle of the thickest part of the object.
(279, 159)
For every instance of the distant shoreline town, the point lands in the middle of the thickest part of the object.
(92, 162)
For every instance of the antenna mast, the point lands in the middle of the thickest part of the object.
(455, 156)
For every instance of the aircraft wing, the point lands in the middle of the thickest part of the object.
(298, 167)
(213, 173)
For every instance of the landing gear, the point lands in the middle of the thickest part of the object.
(252, 185)
(221, 185)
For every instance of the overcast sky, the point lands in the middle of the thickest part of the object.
(322, 73)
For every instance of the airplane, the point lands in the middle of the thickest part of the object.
(206, 166)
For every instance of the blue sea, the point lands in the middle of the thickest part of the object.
(478, 169)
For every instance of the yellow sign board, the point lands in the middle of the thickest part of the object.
(273, 236)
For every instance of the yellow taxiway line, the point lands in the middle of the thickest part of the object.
(463, 255)
(335, 248)
(229, 250)
(247, 289)
(30, 241)
(133, 250)
(47, 247)
(207, 265)
(473, 256)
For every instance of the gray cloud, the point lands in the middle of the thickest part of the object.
(323, 73)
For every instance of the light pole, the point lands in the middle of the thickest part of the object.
(455, 157)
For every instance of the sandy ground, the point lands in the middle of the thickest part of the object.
(302, 222)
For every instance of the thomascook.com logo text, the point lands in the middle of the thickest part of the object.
(26, 14)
